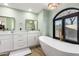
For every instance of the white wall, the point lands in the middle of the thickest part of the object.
(19, 16)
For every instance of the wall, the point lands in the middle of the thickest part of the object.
(43, 18)
(19, 16)
(40, 22)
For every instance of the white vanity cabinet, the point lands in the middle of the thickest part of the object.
(20, 40)
(17, 40)
(25, 39)
(33, 38)
(6, 43)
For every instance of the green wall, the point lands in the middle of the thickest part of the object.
(44, 22)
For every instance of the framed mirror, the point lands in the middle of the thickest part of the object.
(7, 23)
(31, 25)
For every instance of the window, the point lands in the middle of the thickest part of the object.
(66, 27)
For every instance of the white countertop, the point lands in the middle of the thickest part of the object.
(20, 32)
(16, 32)
(5, 32)
(60, 45)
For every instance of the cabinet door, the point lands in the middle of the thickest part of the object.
(20, 41)
(33, 39)
(5, 44)
(36, 37)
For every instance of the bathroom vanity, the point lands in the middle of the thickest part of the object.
(6, 41)
(18, 40)
(12, 40)
(33, 38)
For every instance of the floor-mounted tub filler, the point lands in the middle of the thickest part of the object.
(53, 47)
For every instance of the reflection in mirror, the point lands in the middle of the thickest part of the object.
(31, 24)
(7, 23)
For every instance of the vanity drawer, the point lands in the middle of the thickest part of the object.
(18, 45)
(20, 41)
(6, 45)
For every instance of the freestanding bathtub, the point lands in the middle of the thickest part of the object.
(53, 47)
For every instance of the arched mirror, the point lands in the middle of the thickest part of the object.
(31, 25)
(7, 23)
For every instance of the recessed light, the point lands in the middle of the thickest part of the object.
(6, 4)
(30, 9)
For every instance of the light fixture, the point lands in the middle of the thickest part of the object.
(30, 9)
(53, 5)
(6, 4)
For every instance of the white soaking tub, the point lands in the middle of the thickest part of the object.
(53, 47)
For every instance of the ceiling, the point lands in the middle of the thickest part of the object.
(36, 7)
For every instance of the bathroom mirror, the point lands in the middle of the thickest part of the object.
(7, 23)
(31, 24)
